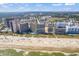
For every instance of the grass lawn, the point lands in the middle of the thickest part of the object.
(10, 52)
(41, 35)
(56, 19)
(45, 54)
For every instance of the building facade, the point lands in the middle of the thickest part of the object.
(60, 28)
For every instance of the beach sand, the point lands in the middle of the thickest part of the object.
(39, 44)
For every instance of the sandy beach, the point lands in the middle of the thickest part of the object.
(39, 43)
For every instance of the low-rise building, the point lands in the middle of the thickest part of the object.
(40, 29)
(72, 28)
(60, 28)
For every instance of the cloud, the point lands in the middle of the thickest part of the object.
(4, 6)
(39, 5)
(1, 3)
(26, 5)
(69, 3)
(56, 4)
(20, 8)
(67, 9)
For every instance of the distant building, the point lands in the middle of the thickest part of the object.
(18, 26)
(45, 28)
(3, 21)
(72, 28)
(41, 25)
(50, 27)
(60, 24)
(7, 21)
(40, 28)
(60, 28)
(14, 25)
(33, 27)
(23, 28)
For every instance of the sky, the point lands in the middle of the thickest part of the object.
(25, 7)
